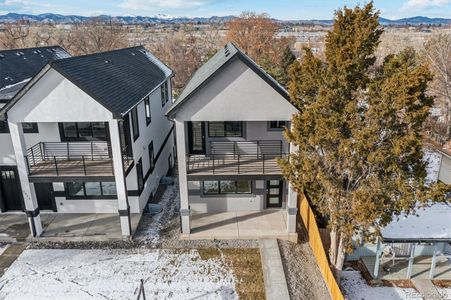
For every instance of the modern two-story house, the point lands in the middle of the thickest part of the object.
(102, 141)
(229, 123)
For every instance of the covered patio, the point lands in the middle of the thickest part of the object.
(269, 223)
(414, 246)
(66, 227)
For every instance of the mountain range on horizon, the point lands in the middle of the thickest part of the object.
(70, 19)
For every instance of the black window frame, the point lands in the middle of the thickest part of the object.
(151, 152)
(140, 175)
(219, 188)
(79, 137)
(85, 196)
(164, 93)
(4, 127)
(225, 129)
(280, 125)
(147, 110)
(34, 128)
(135, 122)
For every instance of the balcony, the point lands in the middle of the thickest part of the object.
(238, 158)
(72, 159)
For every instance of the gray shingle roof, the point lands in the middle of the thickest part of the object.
(117, 79)
(225, 55)
(18, 66)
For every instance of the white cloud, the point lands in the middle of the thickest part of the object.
(37, 7)
(423, 4)
(171, 4)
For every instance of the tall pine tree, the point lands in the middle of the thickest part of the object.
(286, 61)
(359, 156)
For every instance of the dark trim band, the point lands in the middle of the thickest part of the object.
(32, 213)
(124, 212)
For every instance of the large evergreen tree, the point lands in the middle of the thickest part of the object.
(359, 156)
(286, 61)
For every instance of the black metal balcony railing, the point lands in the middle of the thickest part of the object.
(228, 158)
(71, 158)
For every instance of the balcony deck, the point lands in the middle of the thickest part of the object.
(75, 168)
(68, 160)
(233, 165)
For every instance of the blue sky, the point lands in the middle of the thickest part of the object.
(281, 9)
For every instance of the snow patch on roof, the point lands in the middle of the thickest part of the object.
(9, 91)
(432, 222)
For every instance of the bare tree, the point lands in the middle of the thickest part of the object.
(437, 52)
(15, 35)
(96, 35)
(256, 35)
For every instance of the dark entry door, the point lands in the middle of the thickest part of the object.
(44, 195)
(196, 137)
(11, 193)
(274, 189)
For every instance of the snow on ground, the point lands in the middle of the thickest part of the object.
(444, 292)
(433, 167)
(150, 233)
(116, 274)
(356, 288)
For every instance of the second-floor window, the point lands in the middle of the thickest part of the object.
(225, 129)
(147, 109)
(27, 127)
(135, 123)
(72, 131)
(164, 93)
(277, 125)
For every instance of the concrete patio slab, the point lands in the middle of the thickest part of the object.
(426, 289)
(13, 227)
(269, 223)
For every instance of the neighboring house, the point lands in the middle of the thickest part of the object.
(101, 142)
(229, 125)
(444, 174)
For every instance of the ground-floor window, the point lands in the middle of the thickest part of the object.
(212, 187)
(93, 190)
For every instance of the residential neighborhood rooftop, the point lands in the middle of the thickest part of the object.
(18, 66)
(428, 224)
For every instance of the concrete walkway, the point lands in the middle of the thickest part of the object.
(266, 224)
(426, 289)
(275, 282)
(10, 255)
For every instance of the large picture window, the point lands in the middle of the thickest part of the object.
(91, 190)
(27, 127)
(216, 187)
(84, 131)
(135, 123)
(225, 129)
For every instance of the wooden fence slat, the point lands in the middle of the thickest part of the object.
(315, 241)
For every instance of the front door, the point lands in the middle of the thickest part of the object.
(44, 195)
(196, 137)
(274, 189)
(11, 192)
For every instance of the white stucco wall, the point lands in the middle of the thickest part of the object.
(445, 169)
(237, 93)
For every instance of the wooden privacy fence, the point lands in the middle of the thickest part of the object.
(308, 218)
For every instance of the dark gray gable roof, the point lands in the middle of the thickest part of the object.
(218, 61)
(117, 79)
(18, 66)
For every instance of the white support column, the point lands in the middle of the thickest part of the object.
(434, 262)
(29, 195)
(377, 263)
(410, 266)
(183, 177)
(292, 201)
(119, 175)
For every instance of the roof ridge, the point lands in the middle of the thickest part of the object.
(32, 48)
(103, 52)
